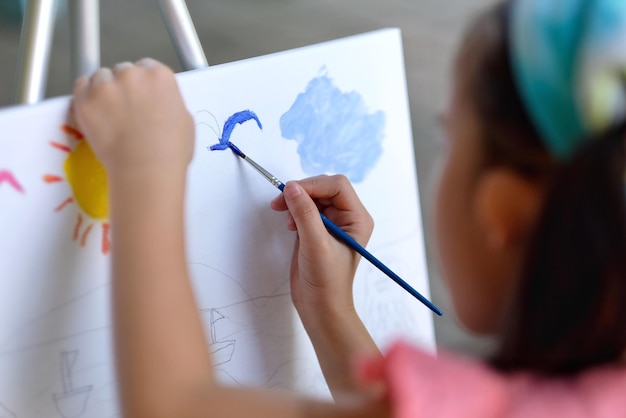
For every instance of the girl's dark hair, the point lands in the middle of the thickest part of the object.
(568, 309)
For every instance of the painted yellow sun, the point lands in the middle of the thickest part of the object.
(87, 178)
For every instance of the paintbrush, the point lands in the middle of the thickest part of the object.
(342, 236)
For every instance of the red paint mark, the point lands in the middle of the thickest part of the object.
(64, 204)
(83, 241)
(51, 178)
(73, 131)
(106, 244)
(77, 227)
(6, 176)
(60, 146)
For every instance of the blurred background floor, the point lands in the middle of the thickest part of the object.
(231, 30)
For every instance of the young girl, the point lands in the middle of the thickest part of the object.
(530, 228)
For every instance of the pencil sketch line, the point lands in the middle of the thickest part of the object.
(52, 341)
(215, 129)
(215, 316)
(51, 311)
(6, 412)
(224, 274)
(276, 371)
(230, 376)
(248, 301)
(210, 127)
(72, 402)
(243, 288)
(222, 350)
(264, 384)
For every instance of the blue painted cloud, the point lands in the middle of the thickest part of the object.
(334, 131)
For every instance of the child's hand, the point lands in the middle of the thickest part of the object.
(134, 118)
(322, 268)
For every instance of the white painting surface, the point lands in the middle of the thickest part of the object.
(338, 107)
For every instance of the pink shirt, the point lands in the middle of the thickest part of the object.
(449, 386)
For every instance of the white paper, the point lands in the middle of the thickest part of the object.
(346, 103)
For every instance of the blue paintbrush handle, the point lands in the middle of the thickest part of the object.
(340, 234)
(350, 242)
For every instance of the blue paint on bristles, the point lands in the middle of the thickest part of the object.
(236, 150)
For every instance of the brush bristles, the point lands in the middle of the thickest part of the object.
(236, 150)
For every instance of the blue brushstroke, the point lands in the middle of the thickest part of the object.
(334, 131)
(229, 125)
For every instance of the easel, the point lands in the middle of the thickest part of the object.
(36, 42)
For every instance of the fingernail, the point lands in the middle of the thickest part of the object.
(103, 75)
(120, 66)
(292, 190)
(147, 62)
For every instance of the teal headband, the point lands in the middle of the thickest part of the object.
(569, 62)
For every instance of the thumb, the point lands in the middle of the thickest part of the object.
(304, 213)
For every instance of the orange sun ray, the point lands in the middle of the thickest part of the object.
(64, 204)
(62, 147)
(51, 178)
(77, 227)
(83, 241)
(87, 178)
(73, 131)
(106, 244)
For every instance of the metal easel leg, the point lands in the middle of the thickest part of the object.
(34, 52)
(38, 28)
(183, 34)
(84, 18)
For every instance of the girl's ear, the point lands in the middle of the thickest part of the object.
(506, 206)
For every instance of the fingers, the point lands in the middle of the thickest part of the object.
(104, 75)
(84, 84)
(80, 86)
(336, 189)
(84, 87)
(291, 224)
(147, 63)
(305, 214)
(121, 66)
(327, 190)
(101, 76)
(335, 197)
